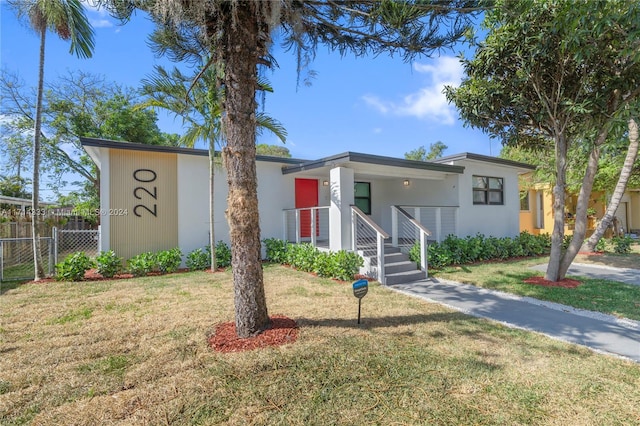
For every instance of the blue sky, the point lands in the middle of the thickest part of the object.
(379, 105)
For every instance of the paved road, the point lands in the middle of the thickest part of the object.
(623, 275)
(600, 332)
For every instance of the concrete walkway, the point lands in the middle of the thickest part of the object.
(622, 275)
(600, 332)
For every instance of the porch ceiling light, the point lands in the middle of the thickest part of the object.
(406, 182)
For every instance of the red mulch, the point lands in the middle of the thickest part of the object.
(283, 330)
(565, 282)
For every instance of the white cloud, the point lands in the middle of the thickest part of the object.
(98, 17)
(429, 102)
(101, 23)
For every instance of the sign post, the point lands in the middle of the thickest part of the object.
(360, 288)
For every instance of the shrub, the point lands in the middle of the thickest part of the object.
(341, 265)
(622, 245)
(324, 264)
(73, 267)
(602, 245)
(223, 255)
(345, 264)
(276, 250)
(453, 250)
(301, 256)
(198, 259)
(141, 264)
(108, 264)
(169, 261)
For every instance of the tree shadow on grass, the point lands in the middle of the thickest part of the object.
(372, 322)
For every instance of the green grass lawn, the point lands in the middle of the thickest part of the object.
(135, 352)
(622, 300)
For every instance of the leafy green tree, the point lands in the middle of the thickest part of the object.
(273, 150)
(561, 73)
(420, 154)
(75, 105)
(67, 19)
(238, 36)
(14, 186)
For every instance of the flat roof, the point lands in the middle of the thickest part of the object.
(485, 158)
(357, 157)
(107, 143)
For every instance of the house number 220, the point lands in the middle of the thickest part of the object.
(145, 176)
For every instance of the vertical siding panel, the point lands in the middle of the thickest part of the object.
(132, 234)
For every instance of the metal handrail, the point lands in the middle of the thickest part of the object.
(376, 233)
(370, 222)
(315, 215)
(413, 220)
(423, 233)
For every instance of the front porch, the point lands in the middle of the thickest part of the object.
(410, 226)
(373, 205)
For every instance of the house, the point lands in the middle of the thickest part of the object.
(156, 197)
(536, 209)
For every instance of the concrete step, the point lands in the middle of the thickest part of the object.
(395, 267)
(405, 277)
(389, 258)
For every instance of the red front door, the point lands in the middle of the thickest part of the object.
(307, 196)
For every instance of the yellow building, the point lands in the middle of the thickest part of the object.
(536, 209)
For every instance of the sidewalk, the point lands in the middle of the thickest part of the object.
(622, 275)
(600, 332)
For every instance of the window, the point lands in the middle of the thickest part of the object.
(362, 196)
(488, 190)
(524, 200)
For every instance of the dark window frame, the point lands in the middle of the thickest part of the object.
(367, 198)
(525, 201)
(486, 191)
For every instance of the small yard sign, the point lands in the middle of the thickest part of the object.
(360, 288)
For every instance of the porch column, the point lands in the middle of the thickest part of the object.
(342, 197)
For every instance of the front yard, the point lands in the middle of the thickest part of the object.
(135, 352)
(622, 300)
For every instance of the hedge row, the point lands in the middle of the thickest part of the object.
(108, 264)
(341, 265)
(454, 251)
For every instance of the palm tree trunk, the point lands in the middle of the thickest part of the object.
(212, 236)
(35, 205)
(621, 186)
(240, 36)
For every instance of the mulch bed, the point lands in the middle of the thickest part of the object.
(565, 282)
(283, 330)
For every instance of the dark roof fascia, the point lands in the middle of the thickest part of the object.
(486, 159)
(106, 143)
(357, 157)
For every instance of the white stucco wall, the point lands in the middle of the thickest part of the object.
(420, 192)
(193, 202)
(490, 220)
(275, 193)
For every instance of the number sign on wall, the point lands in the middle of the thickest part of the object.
(146, 192)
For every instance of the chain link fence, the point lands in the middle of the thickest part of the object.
(16, 258)
(16, 254)
(73, 241)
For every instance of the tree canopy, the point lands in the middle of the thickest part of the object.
(76, 104)
(436, 150)
(555, 76)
